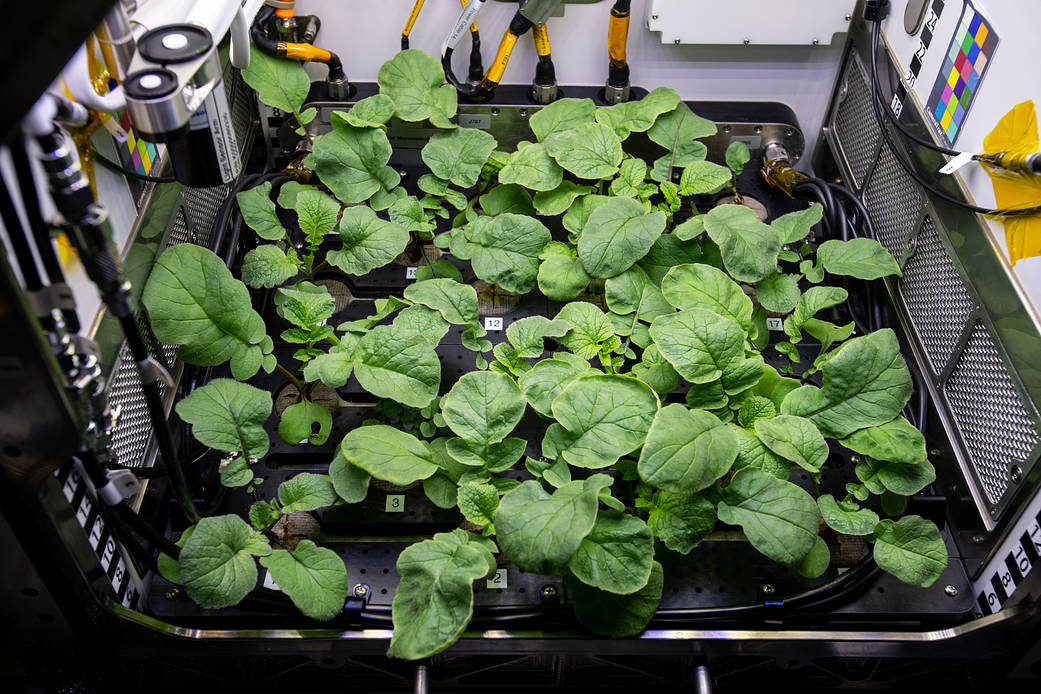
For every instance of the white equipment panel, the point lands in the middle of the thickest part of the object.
(750, 22)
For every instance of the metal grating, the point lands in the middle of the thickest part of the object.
(895, 203)
(935, 296)
(994, 424)
(855, 126)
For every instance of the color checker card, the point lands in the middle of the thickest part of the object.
(964, 66)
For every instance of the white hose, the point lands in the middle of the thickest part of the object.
(77, 76)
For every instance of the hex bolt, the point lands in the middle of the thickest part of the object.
(1015, 473)
(950, 590)
(549, 592)
(361, 590)
(767, 589)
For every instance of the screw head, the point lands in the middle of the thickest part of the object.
(855, 459)
(726, 128)
(361, 590)
(767, 589)
(549, 592)
(495, 111)
(934, 451)
(758, 129)
(523, 112)
(950, 590)
(849, 17)
(654, 16)
(173, 593)
(816, 42)
(789, 132)
(978, 539)
(1016, 474)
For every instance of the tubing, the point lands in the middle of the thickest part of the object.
(303, 52)
(617, 38)
(417, 7)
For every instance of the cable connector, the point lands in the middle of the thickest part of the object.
(876, 10)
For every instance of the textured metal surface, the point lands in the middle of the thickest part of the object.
(853, 123)
(995, 425)
(935, 296)
(895, 203)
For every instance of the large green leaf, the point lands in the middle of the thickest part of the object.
(456, 302)
(616, 235)
(547, 380)
(578, 214)
(589, 151)
(748, 246)
(703, 177)
(217, 564)
(896, 441)
(686, 450)
(267, 266)
(560, 116)
(457, 155)
(353, 162)
(306, 491)
(751, 452)
(778, 293)
(561, 275)
(911, 549)
(434, 600)
(371, 112)
(415, 82)
(368, 241)
(388, 454)
(305, 304)
(313, 577)
(317, 214)
(350, 482)
(527, 334)
(483, 407)
(866, 383)
(704, 347)
(396, 364)
(616, 556)
(677, 131)
(423, 320)
(794, 226)
(532, 167)
(795, 439)
(298, 423)
(638, 116)
(668, 252)
(194, 301)
(633, 292)
(279, 82)
(259, 213)
(778, 517)
(703, 286)
(229, 416)
(845, 517)
(553, 202)
(864, 259)
(590, 327)
(609, 415)
(503, 250)
(507, 198)
(681, 521)
(656, 371)
(540, 532)
(616, 615)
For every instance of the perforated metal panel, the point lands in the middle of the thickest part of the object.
(854, 124)
(995, 425)
(895, 203)
(935, 296)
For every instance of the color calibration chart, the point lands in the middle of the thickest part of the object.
(964, 67)
(136, 153)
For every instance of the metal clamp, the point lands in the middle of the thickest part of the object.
(122, 484)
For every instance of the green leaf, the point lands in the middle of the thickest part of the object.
(305, 304)
(228, 416)
(816, 562)
(313, 577)
(737, 156)
(656, 371)
(478, 503)
(553, 202)
(813, 300)
(492, 457)
(289, 191)
(258, 212)
(306, 492)
(317, 214)
(617, 234)
(368, 241)
(846, 517)
(681, 521)
(896, 441)
(503, 250)
(298, 423)
(167, 565)
(532, 167)
(686, 450)
(638, 116)
(193, 301)
(866, 383)
(778, 293)
(527, 334)
(676, 131)
(633, 292)
(704, 347)
(631, 174)
(690, 229)
(440, 490)
(371, 112)
(388, 454)
(864, 259)
(408, 214)
(905, 478)
(353, 162)
(753, 453)
(547, 380)
(754, 408)
(400, 365)
(434, 600)
(590, 327)
(704, 287)
(217, 564)
(827, 333)
(235, 472)
(911, 549)
(279, 82)
(424, 321)
(616, 615)
(560, 116)
(562, 278)
(350, 482)
(558, 474)
(267, 266)
(456, 302)
(703, 178)
(334, 367)
(608, 414)
(748, 246)
(616, 556)
(779, 518)
(540, 531)
(507, 198)
(795, 439)
(666, 253)
(458, 155)
(795, 226)
(439, 268)
(578, 214)
(589, 151)
(483, 407)
(415, 83)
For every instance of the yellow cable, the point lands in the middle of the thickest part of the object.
(473, 27)
(502, 58)
(412, 17)
(304, 51)
(541, 37)
(617, 35)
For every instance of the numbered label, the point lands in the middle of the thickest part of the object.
(270, 582)
(117, 577)
(493, 323)
(774, 324)
(395, 503)
(72, 483)
(498, 580)
(106, 556)
(95, 532)
(83, 512)
(410, 273)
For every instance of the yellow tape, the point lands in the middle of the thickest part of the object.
(307, 52)
(502, 58)
(541, 37)
(412, 17)
(617, 35)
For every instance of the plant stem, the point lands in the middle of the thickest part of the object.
(300, 122)
(291, 378)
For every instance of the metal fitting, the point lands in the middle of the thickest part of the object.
(767, 589)
(775, 151)
(616, 95)
(549, 592)
(339, 89)
(361, 591)
(543, 94)
(950, 590)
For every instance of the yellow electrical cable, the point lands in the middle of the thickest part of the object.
(412, 17)
(304, 51)
(502, 58)
(541, 37)
(617, 35)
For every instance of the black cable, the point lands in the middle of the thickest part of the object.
(146, 531)
(19, 242)
(118, 168)
(31, 203)
(906, 166)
